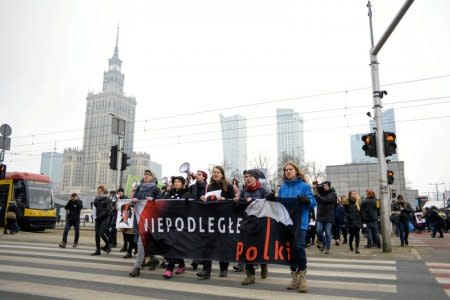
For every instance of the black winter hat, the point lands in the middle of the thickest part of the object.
(181, 178)
(253, 172)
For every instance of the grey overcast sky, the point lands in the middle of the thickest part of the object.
(236, 56)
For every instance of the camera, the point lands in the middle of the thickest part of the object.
(319, 188)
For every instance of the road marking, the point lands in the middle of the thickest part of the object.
(188, 288)
(62, 292)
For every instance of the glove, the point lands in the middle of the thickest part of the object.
(304, 200)
(270, 197)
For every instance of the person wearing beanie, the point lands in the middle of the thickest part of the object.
(176, 192)
(252, 190)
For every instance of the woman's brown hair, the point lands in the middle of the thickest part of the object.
(223, 182)
(298, 172)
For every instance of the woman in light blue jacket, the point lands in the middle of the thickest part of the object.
(296, 195)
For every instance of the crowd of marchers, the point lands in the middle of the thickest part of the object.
(323, 218)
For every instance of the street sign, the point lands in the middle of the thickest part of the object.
(5, 143)
(5, 130)
(118, 126)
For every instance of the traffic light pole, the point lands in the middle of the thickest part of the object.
(386, 228)
(119, 162)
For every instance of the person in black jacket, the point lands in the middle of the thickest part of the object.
(147, 190)
(403, 209)
(103, 209)
(176, 192)
(353, 219)
(326, 209)
(370, 218)
(199, 187)
(218, 182)
(73, 209)
(252, 190)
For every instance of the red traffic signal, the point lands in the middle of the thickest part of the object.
(2, 171)
(390, 147)
(370, 144)
(390, 177)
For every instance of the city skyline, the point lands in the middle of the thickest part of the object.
(185, 66)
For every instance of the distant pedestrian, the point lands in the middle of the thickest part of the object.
(403, 209)
(326, 209)
(438, 219)
(11, 218)
(73, 209)
(370, 218)
(102, 204)
(353, 219)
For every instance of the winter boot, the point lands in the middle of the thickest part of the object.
(302, 288)
(294, 282)
(62, 245)
(249, 279)
(135, 272)
(264, 271)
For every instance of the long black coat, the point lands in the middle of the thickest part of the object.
(326, 207)
(352, 215)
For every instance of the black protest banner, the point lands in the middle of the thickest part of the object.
(212, 231)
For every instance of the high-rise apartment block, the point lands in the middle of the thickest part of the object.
(234, 140)
(290, 136)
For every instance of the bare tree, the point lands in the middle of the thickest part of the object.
(287, 157)
(262, 161)
(314, 171)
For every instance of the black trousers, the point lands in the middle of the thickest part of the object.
(354, 233)
(101, 231)
(207, 265)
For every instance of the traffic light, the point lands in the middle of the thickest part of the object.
(125, 162)
(2, 171)
(390, 177)
(113, 157)
(370, 144)
(390, 147)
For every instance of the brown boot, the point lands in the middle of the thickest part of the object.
(302, 288)
(62, 245)
(249, 279)
(294, 282)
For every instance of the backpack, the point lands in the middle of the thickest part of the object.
(442, 215)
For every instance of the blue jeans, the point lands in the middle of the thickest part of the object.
(76, 226)
(320, 228)
(298, 262)
(373, 237)
(403, 231)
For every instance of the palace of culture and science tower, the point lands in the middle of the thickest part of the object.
(85, 169)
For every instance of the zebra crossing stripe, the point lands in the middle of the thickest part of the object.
(61, 292)
(187, 288)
